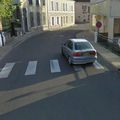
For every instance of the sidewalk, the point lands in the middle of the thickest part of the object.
(14, 42)
(105, 53)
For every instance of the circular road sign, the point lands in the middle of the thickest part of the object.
(98, 24)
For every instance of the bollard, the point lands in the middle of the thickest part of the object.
(96, 37)
(2, 39)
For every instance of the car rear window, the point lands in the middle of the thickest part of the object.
(82, 46)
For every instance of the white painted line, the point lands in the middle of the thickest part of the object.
(31, 68)
(54, 66)
(97, 65)
(80, 72)
(6, 70)
(77, 68)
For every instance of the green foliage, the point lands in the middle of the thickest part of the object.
(7, 8)
(8, 13)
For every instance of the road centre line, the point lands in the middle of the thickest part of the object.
(54, 66)
(6, 70)
(31, 68)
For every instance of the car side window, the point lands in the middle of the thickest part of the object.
(70, 45)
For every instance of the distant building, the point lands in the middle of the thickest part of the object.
(58, 13)
(82, 11)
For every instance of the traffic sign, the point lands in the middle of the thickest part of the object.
(98, 24)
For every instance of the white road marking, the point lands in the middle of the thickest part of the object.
(77, 68)
(80, 72)
(31, 68)
(54, 66)
(97, 65)
(6, 70)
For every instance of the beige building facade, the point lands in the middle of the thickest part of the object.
(47, 14)
(31, 15)
(58, 13)
(107, 12)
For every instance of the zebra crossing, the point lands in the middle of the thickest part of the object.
(31, 69)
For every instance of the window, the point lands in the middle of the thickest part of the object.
(82, 46)
(58, 20)
(66, 7)
(43, 2)
(44, 18)
(71, 18)
(84, 8)
(52, 20)
(63, 6)
(57, 6)
(52, 6)
(38, 18)
(71, 8)
(30, 2)
(66, 19)
(37, 3)
(31, 19)
(70, 45)
(88, 9)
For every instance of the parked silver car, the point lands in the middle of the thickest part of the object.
(79, 51)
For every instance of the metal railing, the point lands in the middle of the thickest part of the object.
(111, 44)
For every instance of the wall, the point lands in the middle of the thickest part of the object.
(82, 12)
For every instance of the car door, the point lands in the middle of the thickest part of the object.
(69, 48)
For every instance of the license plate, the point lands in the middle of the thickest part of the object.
(86, 54)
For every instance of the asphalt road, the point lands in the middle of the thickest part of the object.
(43, 91)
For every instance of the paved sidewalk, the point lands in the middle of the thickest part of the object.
(105, 53)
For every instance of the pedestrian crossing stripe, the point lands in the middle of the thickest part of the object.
(54, 66)
(31, 68)
(6, 70)
(97, 65)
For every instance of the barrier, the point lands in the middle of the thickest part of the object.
(2, 39)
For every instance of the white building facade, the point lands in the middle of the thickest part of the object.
(107, 12)
(60, 13)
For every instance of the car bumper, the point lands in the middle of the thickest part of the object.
(83, 60)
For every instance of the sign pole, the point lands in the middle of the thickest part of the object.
(98, 25)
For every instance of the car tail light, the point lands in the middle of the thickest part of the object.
(93, 53)
(76, 54)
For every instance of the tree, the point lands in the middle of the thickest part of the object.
(7, 10)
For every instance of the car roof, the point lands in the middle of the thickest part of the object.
(78, 40)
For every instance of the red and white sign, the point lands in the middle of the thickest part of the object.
(98, 24)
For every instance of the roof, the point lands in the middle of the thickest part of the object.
(78, 40)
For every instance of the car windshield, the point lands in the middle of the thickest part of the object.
(82, 46)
